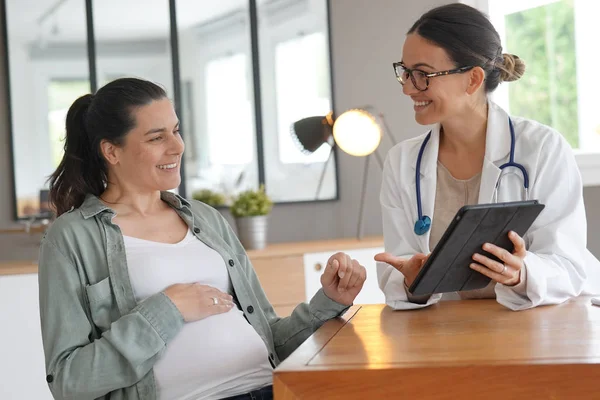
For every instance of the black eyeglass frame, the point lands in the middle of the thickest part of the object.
(427, 75)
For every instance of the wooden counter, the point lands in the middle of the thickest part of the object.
(473, 349)
(273, 251)
(18, 267)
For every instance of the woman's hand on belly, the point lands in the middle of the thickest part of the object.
(195, 301)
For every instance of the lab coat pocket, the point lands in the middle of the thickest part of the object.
(101, 303)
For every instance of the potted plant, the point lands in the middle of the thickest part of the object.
(209, 197)
(250, 210)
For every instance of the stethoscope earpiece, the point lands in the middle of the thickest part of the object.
(422, 225)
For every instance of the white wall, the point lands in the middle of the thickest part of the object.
(21, 352)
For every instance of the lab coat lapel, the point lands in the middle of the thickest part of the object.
(489, 176)
(497, 150)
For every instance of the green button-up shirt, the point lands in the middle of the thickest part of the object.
(100, 343)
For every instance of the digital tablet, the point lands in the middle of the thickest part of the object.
(447, 268)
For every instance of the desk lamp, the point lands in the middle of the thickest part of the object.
(357, 132)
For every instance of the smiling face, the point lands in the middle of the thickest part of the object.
(150, 156)
(446, 96)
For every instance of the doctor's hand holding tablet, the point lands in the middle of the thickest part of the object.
(483, 205)
(507, 272)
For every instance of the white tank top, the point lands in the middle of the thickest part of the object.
(219, 356)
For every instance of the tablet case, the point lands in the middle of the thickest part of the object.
(447, 268)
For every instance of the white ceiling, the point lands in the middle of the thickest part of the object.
(113, 19)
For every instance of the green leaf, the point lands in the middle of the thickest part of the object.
(209, 197)
(251, 203)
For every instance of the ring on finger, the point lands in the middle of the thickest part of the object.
(215, 300)
(504, 270)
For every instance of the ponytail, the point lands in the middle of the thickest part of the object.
(107, 115)
(81, 170)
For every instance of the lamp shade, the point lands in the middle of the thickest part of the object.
(357, 132)
(310, 133)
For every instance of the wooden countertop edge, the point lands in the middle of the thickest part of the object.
(19, 230)
(316, 246)
(301, 357)
(18, 267)
(274, 250)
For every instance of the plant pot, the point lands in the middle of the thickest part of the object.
(252, 232)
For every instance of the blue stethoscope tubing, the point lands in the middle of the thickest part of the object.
(423, 224)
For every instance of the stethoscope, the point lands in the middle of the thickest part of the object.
(423, 224)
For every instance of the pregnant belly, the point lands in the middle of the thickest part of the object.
(222, 351)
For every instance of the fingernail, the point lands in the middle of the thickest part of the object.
(476, 256)
(472, 266)
(486, 246)
(341, 274)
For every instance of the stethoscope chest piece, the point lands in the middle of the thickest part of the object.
(422, 225)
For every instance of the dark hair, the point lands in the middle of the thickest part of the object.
(470, 39)
(106, 115)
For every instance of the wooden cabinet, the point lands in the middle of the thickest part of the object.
(290, 272)
(282, 278)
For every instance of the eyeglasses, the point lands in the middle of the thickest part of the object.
(420, 79)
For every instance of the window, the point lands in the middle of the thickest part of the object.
(221, 78)
(300, 73)
(555, 89)
(295, 84)
(229, 110)
(61, 94)
(556, 39)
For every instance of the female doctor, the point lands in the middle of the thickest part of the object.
(477, 153)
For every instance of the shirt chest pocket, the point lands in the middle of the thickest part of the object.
(102, 304)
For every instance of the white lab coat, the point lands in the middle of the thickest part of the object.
(558, 265)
